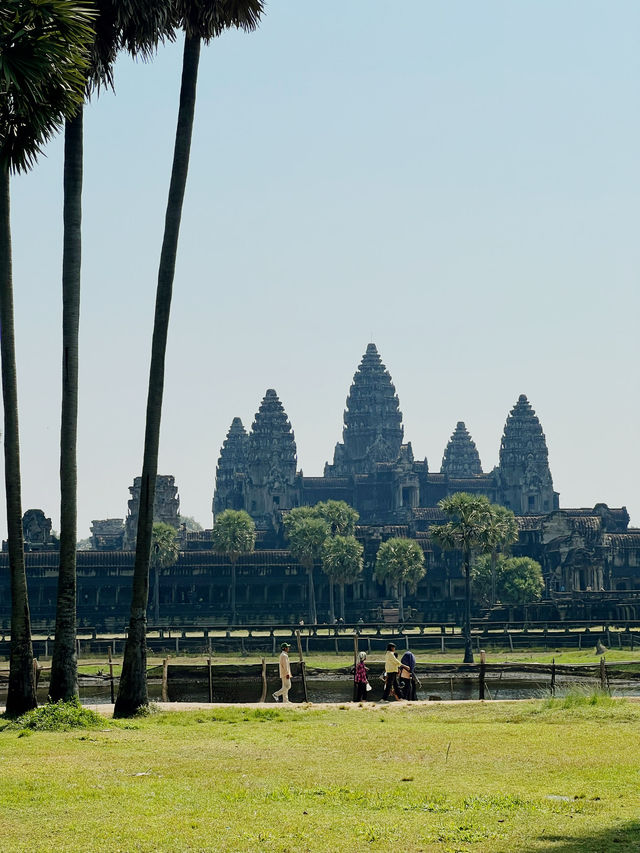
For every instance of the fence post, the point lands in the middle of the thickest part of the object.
(210, 679)
(111, 686)
(603, 673)
(165, 679)
(482, 675)
(263, 695)
(553, 677)
(304, 679)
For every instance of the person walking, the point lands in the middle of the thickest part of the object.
(407, 676)
(285, 674)
(360, 678)
(391, 667)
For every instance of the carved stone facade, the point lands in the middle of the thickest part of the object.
(166, 507)
(107, 534)
(525, 479)
(372, 469)
(461, 457)
(36, 529)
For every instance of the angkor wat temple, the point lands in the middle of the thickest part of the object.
(590, 557)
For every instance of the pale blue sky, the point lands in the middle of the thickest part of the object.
(457, 181)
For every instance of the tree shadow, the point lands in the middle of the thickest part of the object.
(621, 838)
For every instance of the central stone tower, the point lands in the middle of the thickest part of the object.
(372, 421)
(525, 478)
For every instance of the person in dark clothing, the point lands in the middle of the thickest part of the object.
(407, 681)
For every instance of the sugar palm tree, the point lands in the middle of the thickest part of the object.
(137, 25)
(400, 561)
(342, 562)
(307, 535)
(164, 553)
(342, 520)
(470, 519)
(234, 534)
(43, 58)
(501, 532)
(201, 21)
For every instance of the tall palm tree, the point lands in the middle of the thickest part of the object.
(43, 57)
(342, 520)
(307, 535)
(401, 561)
(234, 534)
(501, 532)
(137, 25)
(201, 20)
(470, 519)
(342, 562)
(164, 553)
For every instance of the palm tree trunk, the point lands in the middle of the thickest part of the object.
(313, 616)
(132, 693)
(64, 662)
(401, 601)
(332, 614)
(342, 601)
(468, 647)
(156, 594)
(21, 695)
(494, 563)
(233, 592)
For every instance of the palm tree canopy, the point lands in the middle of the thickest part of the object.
(340, 517)
(400, 561)
(207, 19)
(342, 558)
(470, 521)
(137, 26)
(503, 528)
(44, 50)
(164, 546)
(307, 536)
(234, 533)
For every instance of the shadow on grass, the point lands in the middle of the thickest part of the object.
(621, 838)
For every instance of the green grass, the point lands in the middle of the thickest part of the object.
(553, 775)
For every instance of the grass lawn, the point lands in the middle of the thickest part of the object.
(557, 775)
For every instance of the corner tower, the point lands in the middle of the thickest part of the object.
(526, 485)
(461, 458)
(271, 461)
(231, 469)
(372, 420)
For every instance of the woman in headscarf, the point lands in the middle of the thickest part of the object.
(407, 676)
(360, 678)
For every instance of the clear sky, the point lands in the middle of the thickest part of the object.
(458, 182)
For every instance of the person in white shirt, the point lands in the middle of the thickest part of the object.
(285, 674)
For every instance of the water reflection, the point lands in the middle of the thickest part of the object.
(338, 689)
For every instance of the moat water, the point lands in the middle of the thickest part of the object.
(340, 689)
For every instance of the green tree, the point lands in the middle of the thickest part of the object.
(401, 562)
(164, 553)
(138, 24)
(501, 532)
(342, 520)
(234, 534)
(470, 518)
(340, 517)
(43, 58)
(520, 581)
(201, 21)
(342, 562)
(190, 524)
(306, 534)
(485, 573)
